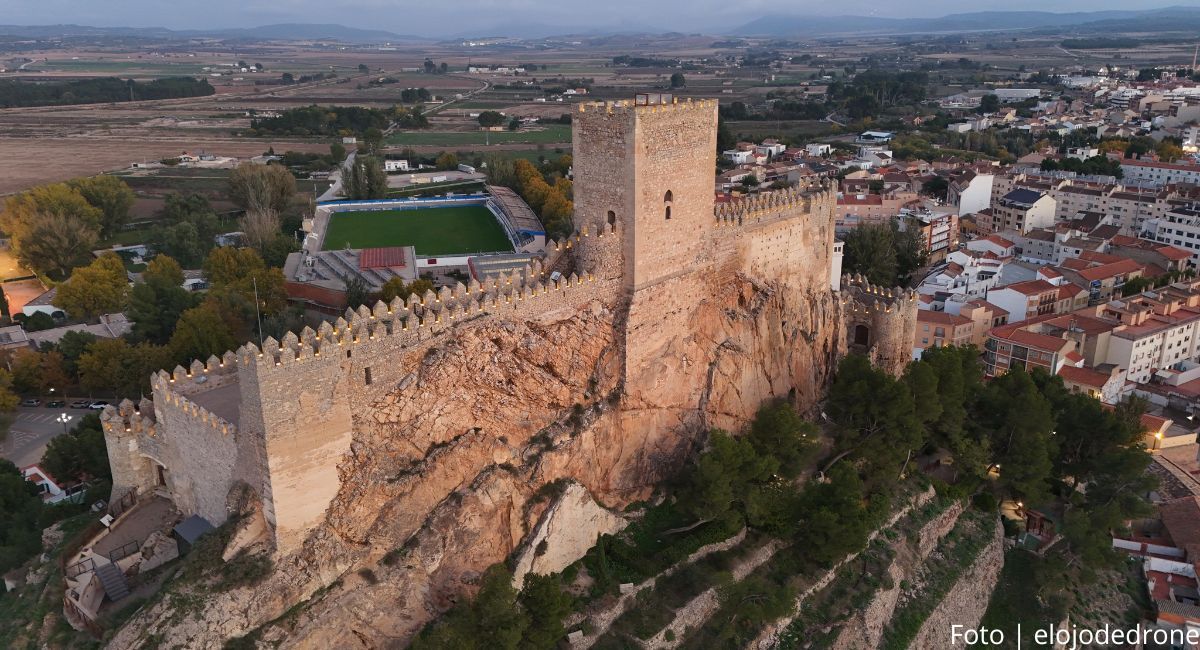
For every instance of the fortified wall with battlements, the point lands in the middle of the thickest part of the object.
(671, 313)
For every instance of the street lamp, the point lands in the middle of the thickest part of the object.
(1157, 440)
(63, 419)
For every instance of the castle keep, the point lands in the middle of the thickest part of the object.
(669, 313)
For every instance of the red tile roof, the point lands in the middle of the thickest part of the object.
(1031, 287)
(376, 258)
(1084, 376)
(941, 318)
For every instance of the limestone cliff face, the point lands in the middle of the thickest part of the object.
(442, 476)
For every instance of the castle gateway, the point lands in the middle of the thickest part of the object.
(663, 314)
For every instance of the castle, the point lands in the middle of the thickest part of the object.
(668, 313)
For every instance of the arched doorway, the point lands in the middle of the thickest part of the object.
(862, 335)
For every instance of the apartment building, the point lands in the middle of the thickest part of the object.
(936, 329)
(1179, 227)
(1022, 210)
(1160, 173)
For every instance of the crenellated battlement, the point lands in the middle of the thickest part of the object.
(859, 293)
(624, 107)
(417, 320)
(128, 418)
(767, 206)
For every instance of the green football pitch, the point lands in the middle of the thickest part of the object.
(432, 231)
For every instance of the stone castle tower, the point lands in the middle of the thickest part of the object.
(680, 314)
(644, 173)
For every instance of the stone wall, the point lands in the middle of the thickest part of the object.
(865, 628)
(968, 598)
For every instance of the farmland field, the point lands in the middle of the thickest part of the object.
(433, 231)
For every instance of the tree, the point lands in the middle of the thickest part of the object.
(396, 288)
(55, 244)
(874, 414)
(722, 473)
(200, 333)
(98, 288)
(362, 67)
(1018, 419)
(365, 179)
(447, 161)
(779, 431)
(494, 619)
(52, 228)
(357, 292)
(156, 304)
(677, 80)
(287, 78)
(79, 455)
(258, 187)
(491, 118)
(989, 103)
(544, 600)
(833, 517)
(372, 139)
(443, 68)
(8, 399)
(883, 253)
(72, 345)
(113, 365)
(20, 505)
(337, 151)
(108, 194)
(936, 187)
(187, 226)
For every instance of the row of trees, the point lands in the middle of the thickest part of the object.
(171, 324)
(15, 93)
(549, 194)
(322, 120)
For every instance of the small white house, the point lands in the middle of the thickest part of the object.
(395, 166)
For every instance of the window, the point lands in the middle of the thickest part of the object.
(367, 375)
(668, 198)
(612, 218)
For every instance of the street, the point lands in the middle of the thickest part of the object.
(30, 431)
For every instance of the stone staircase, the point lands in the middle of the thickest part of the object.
(113, 581)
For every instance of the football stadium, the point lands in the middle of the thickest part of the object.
(445, 239)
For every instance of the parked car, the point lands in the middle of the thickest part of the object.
(81, 404)
(96, 406)
(32, 401)
(55, 404)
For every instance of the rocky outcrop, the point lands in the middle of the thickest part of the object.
(443, 468)
(564, 534)
(968, 599)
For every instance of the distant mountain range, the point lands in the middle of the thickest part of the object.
(1164, 19)
(1167, 19)
(281, 31)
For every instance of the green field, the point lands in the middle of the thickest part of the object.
(547, 134)
(433, 231)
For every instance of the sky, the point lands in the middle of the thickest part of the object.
(457, 17)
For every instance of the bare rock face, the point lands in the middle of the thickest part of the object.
(565, 532)
(443, 469)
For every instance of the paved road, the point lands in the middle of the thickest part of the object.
(31, 430)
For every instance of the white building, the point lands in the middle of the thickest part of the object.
(1160, 173)
(971, 192)
(395, 166)
(1179, 227)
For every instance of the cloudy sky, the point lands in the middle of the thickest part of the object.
(461, 16)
